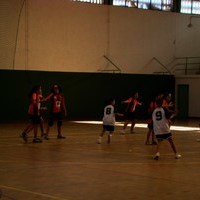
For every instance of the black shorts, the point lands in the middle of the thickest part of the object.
(164, 136)
(130, 115)
(35, 119)
(108, 128)
(56, 116)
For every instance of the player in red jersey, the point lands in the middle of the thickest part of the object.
(169, 107)
(57, 110)
(130, 115)
(34, 113)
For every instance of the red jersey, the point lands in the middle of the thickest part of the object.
(34, 107)
(132, 103)
(57, 101)
(152, 107)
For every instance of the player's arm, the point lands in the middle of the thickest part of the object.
(127, 101)
(48, 97)
(119, 114)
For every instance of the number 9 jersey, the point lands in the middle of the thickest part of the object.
(109, 115)
(160, 123)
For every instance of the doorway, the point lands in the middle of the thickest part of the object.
(183, 101)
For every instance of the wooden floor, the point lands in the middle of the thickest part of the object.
(80, 169)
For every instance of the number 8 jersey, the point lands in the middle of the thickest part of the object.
(109, 116)
(160, 123)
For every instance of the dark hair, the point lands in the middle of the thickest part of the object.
(109, 101)
(56, 85)
(33, 90)
(159, 102)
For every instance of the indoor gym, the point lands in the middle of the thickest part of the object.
(77, 167)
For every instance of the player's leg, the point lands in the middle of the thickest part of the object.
(59, 129)
(58, 117)
(111, 129)
(36, 123)
(157, 155)
(125, 125)
(153, 138)
(132, 126)
(24, 134)
(42, 126)
(109, 137)
(99, 140)
(28, 128)
(174, 148)
(49, 125)
(148, 136)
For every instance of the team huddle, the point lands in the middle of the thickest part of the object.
(161, 114)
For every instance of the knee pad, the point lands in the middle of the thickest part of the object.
(59, 123)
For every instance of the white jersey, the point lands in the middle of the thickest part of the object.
(109, 115)
(160, 123)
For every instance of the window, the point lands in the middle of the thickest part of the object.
(190, 6)
(183, 6)
(91, 1)
(165, 5)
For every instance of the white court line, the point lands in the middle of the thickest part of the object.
(31, 192)
(142, 125)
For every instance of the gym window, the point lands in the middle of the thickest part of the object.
(182, 6)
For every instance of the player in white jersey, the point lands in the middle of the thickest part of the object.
(108, 120)
(161, 129)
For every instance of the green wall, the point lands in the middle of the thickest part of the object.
(85, 93)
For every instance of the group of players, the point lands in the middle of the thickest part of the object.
(57, 111)
(160, 116)
(161, 113)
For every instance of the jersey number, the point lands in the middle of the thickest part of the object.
(108, 111)
(158, 115)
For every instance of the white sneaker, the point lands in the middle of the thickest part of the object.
(123, 132)
(177, 156)
(98, 141)
(157, 156)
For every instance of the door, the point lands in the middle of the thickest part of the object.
(183, 101)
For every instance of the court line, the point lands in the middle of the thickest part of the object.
(143, 125)
(31, 192)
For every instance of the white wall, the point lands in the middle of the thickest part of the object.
(59, 35)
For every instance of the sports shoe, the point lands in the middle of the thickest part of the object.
(157, 156)
(147, 143)
(24, 136)
(154, 143)
(122, 132)
(45, 137)
(177, 156)
(99, 141)
(61, 137)
(37, 140)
